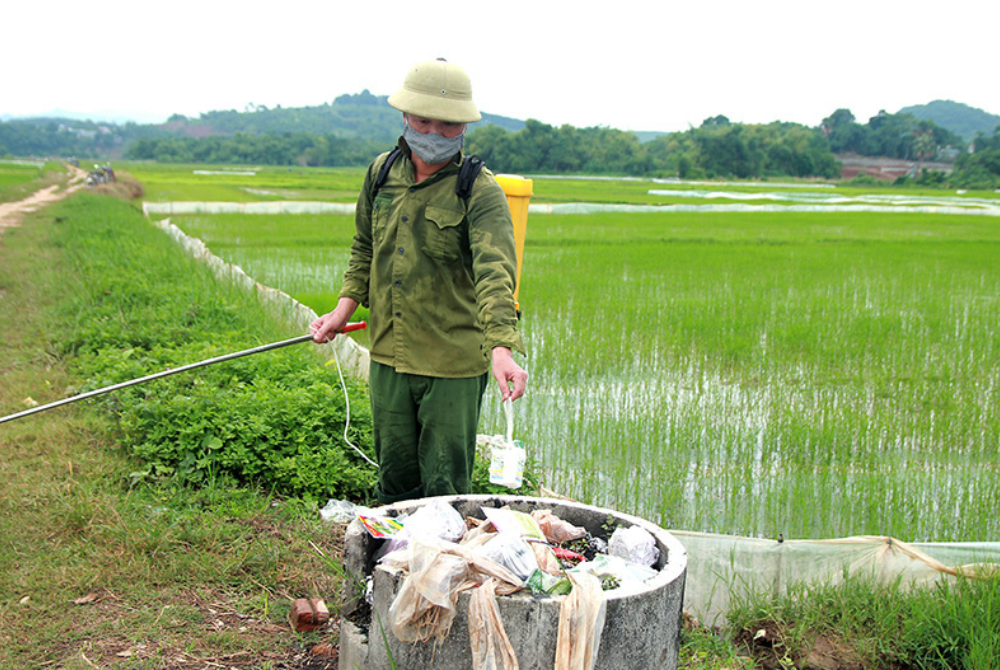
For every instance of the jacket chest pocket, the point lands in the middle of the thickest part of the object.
(380, 216)
(443, 234)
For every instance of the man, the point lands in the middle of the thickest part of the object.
(436, 269)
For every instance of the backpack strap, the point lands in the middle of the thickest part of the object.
(467, 174)
(383, 174)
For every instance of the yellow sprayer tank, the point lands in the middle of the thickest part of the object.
(518, 192)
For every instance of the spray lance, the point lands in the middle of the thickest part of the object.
(184, 368)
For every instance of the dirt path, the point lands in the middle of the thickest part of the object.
(12, 212)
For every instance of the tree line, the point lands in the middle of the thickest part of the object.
(890, 135)
(981, 168)
(310, 149)
(718, 148)
(60, 137)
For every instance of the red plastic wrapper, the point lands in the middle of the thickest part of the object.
(567, 555)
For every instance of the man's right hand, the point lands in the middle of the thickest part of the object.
(326, 327)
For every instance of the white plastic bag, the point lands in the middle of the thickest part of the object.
(635, 545)
(628, 575)
(512, 552)
(339, 511)
(437, 520)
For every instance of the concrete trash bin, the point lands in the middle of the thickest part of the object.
(641, 629)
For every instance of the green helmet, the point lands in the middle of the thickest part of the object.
(437, 89)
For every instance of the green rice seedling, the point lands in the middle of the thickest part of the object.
(19, 178)
(200, 183)
(815, 374)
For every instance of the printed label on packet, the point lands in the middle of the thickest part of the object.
(381, 527)
(511, 521)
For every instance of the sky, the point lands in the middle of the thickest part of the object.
(661, 65)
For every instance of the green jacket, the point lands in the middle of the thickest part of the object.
(436, 271)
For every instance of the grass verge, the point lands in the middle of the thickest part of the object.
(97, 573)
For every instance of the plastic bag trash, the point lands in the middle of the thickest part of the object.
(543, 582)
(338, 511)
(435, 520)
(634, 544)
(491, 648)
(556, 530)
(506, 582)
(547, 559)
(424, 607)
(626, 575)
(512, 552)
(477, 530)
(581, 622)
(425, 603)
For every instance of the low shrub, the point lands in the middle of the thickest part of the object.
(274, 420)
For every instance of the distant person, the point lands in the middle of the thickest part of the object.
(436, 268)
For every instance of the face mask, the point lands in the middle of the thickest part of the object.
(431, 147)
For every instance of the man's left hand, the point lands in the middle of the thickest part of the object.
(507, 372)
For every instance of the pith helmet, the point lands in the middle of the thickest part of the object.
(437, 89)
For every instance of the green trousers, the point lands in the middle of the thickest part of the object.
(425, 432)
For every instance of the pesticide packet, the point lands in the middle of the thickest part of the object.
(511, 521)
(507, 465)
(380, 527)
(509, 456)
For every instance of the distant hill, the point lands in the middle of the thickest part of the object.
(362, 119)
(359, 116)
(957, 117)
(649, 135)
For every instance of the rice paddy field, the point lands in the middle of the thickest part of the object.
(754, 369)
(15, 174)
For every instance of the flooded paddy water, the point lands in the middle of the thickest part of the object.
(813, 374)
